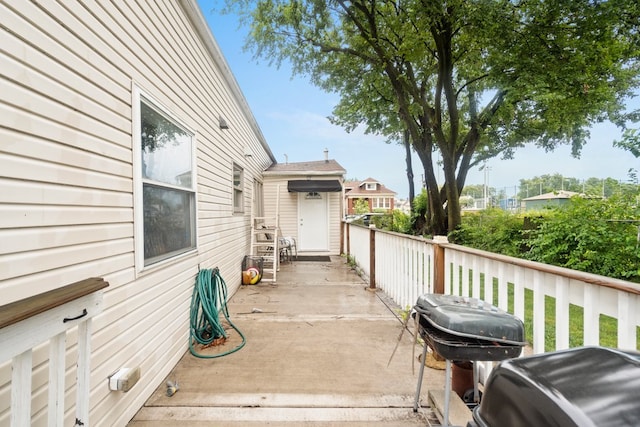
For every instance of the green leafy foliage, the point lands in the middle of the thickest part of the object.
(360, 206)
(397, 221)
(492, 230)
(630, 141)
(401, 222)
(419, 212)
(592, 235)
(470, 79)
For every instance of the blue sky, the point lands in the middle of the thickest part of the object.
(292, 115)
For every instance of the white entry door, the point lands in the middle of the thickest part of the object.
(313, 228)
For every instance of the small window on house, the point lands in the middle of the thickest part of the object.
(370, 186)
(168, 187)
(381, 203)
(238, 183)
(313, 195)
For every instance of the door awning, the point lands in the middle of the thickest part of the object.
(314, 185)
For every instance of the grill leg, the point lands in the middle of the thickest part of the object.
(476, 379)
(423, 360)
(447, 391)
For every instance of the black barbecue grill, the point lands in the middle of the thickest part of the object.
(465, 329)
(580, 387)
(454, 347)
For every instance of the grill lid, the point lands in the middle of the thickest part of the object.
(581, 387)
(471, 318)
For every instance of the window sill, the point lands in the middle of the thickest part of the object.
(148, 269)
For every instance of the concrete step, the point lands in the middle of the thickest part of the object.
(459, 413)
(287, 416)
(285, 410)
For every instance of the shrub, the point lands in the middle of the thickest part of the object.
(492, 230)
(401, 222)
(397, 221)
(592, 235)
(419, 213)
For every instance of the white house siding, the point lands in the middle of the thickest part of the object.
(288, 208)
(68, 72)
(335, 216)
(275, 192)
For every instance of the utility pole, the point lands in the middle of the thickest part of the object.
(486, 185)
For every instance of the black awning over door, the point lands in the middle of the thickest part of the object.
(314, 185)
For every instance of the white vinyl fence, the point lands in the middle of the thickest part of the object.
(405, 267)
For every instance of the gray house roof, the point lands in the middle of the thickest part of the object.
(357, 188)
(321, 167)
(561, 194)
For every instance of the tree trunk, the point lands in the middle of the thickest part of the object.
(436, 216)
(451, 193)
(407, 146)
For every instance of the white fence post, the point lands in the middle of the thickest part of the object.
(627, 321)
(21, 389)
(591, 316)
(57, 347)
(538, 313)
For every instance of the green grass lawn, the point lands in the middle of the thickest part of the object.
(608, 325)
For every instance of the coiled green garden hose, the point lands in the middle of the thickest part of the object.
(208, 300)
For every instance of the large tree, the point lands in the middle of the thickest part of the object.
(471, 79)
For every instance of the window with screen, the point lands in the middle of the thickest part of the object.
(168, 187)
(238, 184)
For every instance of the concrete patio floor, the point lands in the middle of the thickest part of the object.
(318, 344)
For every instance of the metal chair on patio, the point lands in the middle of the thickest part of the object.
(288, 248)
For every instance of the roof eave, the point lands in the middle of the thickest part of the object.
(303, 173)
(195, 15)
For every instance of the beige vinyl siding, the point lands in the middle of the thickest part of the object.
(68, 201)
(335, 217)
(288, 205)
(288, 212)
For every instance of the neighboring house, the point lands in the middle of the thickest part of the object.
(129, 153)
(307, 197)
(402, 205)
(377, 196)
(553, 199)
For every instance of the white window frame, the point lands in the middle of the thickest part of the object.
(140, 96)
(257, 206)
(381, 203)
(238, 188)
(370, 186)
